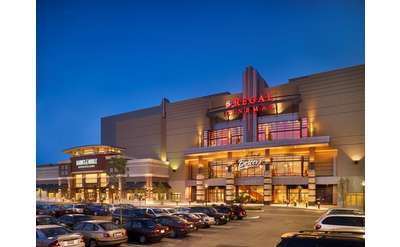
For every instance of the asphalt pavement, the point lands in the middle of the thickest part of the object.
(260, 228)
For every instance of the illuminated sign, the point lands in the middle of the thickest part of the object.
(249, 104)
(86, 163)
(249, 163)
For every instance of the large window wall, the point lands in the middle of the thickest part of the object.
(223, 137)
(289, 165)
(294, 129)
(217, 169)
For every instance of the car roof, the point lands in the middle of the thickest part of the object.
(359, 234)
(75, 215)
(97, 221)
(43, 216)
(39, 227)
(345, 215)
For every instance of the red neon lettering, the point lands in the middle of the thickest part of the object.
(240, 110)
(268, 97)
(255, 109)
(264, 108)
(247, 109)
(244, 101)
(236, 102)
(252, 100)
(260, 99)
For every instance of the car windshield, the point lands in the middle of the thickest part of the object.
(158, 211)
(108, 226)
(56, 231)
(46, 221)
(80, 206)
(81, 217)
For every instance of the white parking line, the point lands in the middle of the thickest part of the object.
(252, 217)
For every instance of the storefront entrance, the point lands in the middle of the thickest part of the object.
(253, 193)
(215, 194)
(283, 194)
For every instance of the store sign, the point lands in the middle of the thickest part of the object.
(86, 163)
(249, 104)
(249, 163)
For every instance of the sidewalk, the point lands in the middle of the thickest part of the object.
(302, 206)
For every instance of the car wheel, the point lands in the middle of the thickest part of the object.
(92, 243)
(172, 234)
(142, 239)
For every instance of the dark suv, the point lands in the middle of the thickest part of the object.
(323, 239)
(123, 215)
(220, 219)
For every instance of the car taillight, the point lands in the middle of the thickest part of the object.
(317, 226)
(55, 244)
(106, 235)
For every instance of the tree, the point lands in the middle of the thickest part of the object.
(117, 167)
(160, 189)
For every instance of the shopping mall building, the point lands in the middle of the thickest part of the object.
(301, 141)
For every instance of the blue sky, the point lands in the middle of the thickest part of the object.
(99, 58)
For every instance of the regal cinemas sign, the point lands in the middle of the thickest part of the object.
(249, 104)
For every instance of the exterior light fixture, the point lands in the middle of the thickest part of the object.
(355, 162)
(173, 169)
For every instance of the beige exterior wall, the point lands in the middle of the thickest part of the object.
(333, 101)
(47, 172)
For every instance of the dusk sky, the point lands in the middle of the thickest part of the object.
(100, 58)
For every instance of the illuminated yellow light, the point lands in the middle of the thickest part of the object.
(311, 129)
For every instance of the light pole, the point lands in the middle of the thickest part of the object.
(363, 187)
(206, 193)
(112, 194)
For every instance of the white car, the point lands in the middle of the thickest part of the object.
(209, 220)
(156, 212)
(332, 211)
(76, 208)
(54, 235)
(169, 210)
(333, 222)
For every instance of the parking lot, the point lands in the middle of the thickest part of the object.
(260, 228)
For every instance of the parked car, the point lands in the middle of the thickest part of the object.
(155, 212)
(197, 221)
(75, 208)
(54, 235)
(178, 226)
(101, 233)
(113, 207)
(46, 220)
(209, 220)
(238, 212)
(225, 210)
(169, 210)
(220, 219)
(145, 230)
(121, 215)
(97, 209)
(323, 239)
(340, 221)
(53, 210)
(69, 220)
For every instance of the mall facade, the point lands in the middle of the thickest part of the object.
(301, 141)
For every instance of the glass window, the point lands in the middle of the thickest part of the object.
(78, 180)
(293, 129)
(223, 136)
(217, 169)
(103, 179)
(88, 227)
(91, 178)
(289, 165)
(53, 232)
(108, 226)
(344, 221)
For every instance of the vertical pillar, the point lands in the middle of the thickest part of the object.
(149, 188)
(97, 195)
(311, 178)
(120, 187)
(69, 194)
(230, 181)
(59, 191)
(334, 195)
(267, 178)
(200, 193)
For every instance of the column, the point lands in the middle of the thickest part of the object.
(59, 191)
(267, 179)
(200, 194)
(97, 195)
(120, 187)
(230, 181)
(334, 195)
(69, 194)
(108, 195)
(311, 178)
